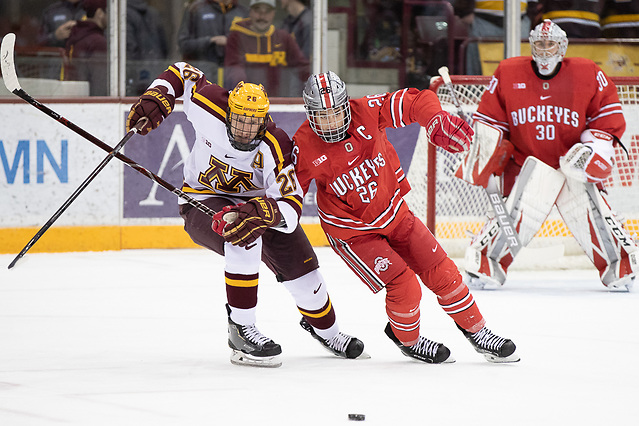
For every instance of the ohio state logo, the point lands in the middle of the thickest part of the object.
(381, 264)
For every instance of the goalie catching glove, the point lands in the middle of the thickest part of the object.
(253, 218)
(155, 104)
(590, 160)
(449, 132)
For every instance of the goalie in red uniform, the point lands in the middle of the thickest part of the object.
(562, 118)
(360, 189)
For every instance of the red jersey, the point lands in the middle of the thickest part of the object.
(360, 181)
(545, 117)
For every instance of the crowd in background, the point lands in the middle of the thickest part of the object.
(234, 40)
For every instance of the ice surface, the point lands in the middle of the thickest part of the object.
(139, 338)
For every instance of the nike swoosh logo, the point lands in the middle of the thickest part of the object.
(435, 248)
(227, 156)
(353, 160)
(250, 246)
(317, 289)
(543, 98)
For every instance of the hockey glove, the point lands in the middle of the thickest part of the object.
(449, 132)
(155, 104)
(253, 219)
(218, 219)
(590, 160)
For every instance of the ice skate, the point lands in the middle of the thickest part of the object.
(250, 347)
(424, 350)
(493, 347)
(341, 344)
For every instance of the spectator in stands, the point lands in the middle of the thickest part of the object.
(146, 46)
(299, 23)
(620, 19)
(578, 18)
(486, 19)
(203, 32)
(382, 38)
(258, 52)
(57, 21)
(87, 48)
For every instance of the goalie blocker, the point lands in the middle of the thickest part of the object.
(538, 187)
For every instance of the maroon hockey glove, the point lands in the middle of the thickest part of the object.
(155, 104)
(253, 219)
(218, 219)
(449, 132)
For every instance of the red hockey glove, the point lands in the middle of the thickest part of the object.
(218, 219)
(155, 104)
(449, 132)
(253, 219)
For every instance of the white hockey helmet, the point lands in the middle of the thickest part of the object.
(327, 106)
(548, 44)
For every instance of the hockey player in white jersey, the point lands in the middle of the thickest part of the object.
(241, 162)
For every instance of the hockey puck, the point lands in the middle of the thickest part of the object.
(357, 417)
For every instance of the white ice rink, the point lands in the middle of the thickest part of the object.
(139, 338)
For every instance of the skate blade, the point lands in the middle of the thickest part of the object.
(363, 355)
(499, 360)
(240, 358)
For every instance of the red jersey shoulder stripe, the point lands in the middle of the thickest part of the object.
(397, 111)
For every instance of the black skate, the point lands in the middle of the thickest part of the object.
(250, 347)
(424, 350)
(342, 345)
(493, 347)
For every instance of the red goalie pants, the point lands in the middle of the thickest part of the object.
(395, 260)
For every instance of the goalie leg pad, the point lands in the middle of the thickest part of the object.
(599, 233)
(529, 203)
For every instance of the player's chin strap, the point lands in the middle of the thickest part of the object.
(492, 189)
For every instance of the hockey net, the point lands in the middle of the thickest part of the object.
(456, 209)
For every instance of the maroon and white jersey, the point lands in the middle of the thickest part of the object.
(214, 167)
(543, 118)
(360, 181)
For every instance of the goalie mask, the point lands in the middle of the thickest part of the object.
(548, 44)
(327, 106)
(247, 116)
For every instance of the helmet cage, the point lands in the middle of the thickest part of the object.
(547, 58)
(327, 106)
(247, 100)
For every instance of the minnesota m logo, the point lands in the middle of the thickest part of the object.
(219, 178)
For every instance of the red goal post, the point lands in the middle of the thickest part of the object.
(454, 209)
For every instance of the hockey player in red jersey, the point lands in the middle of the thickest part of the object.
(241, 163)
(562, 117)
(360, 189)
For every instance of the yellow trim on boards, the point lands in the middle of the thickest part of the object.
(100, 238)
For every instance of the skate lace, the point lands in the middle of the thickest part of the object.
(425, 346)
(486, 339)
(339, 342)
(254, 335)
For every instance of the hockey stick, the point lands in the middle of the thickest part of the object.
(78, 191)
(495, 196)
(11, 81)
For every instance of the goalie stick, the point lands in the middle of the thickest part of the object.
(495, 196)
(10, 79)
